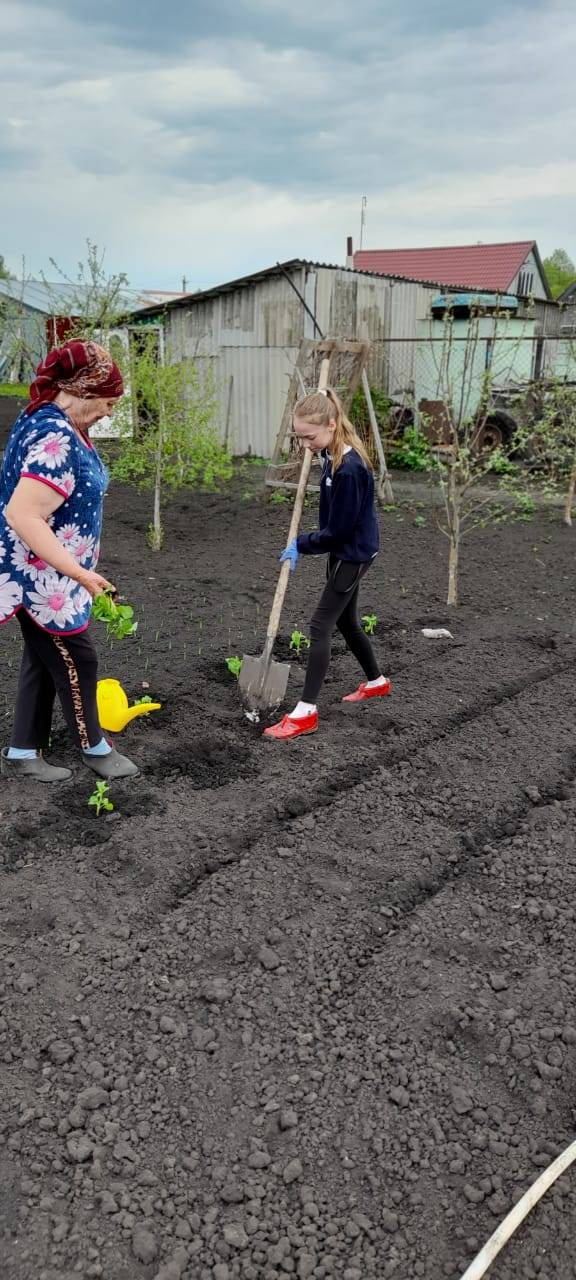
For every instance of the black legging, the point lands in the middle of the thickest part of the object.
(66, 665)
(338, 607)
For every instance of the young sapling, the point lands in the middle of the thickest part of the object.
(298, 642)
(234, 665)
(99, 798)
(370, 621)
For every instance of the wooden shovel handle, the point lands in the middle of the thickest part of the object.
(276, 610)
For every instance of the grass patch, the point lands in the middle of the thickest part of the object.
(15, 389)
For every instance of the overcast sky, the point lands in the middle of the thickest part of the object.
(210, 138)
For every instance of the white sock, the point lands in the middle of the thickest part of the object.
(302, 709)
(373, 684)
(102, 748)
(20, 753)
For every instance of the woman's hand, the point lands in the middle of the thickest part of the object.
(94, 582)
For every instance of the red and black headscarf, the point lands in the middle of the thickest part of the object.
(82, 368)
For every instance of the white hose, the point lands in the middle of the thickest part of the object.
(483, 1260)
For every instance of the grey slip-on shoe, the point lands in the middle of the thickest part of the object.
(37, 768)
(114, 765)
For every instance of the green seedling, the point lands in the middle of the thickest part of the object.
(370, 621)
(277, 497)
(99, 798)
(234, 666)
(419, 521)
(298, 642)
(141, 702)
(117, 618)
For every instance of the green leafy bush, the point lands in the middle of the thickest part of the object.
(359, 410)
(411, 452)
(174, 442)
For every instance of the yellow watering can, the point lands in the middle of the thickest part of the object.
(113, 708)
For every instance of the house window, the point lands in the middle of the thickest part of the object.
(525, 282)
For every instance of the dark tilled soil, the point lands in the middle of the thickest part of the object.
(307, 1009)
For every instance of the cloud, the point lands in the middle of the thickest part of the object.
(213, 138)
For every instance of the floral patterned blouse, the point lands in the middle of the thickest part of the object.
(45, 447)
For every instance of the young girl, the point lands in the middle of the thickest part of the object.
(348, 533)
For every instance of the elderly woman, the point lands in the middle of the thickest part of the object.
(52, 486)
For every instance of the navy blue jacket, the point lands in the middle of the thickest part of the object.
(348, 519)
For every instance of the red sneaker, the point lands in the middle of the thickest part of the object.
(288, 728)
(363, 692)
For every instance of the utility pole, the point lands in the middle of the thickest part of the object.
(363, 218)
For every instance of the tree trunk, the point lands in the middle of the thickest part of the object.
(454, 526)
(453, 573)
(570, 494)
(157, 533)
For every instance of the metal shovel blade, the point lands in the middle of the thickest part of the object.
(263, 684)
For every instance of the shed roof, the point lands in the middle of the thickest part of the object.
(296, 264)
(59, 298)
(477, 266)
(568, 294)
(280, 268)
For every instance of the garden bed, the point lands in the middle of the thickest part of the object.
(302, 1009)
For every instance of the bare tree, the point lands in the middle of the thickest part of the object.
(545, 437)
(179, 445)
(467, 363)
(95, 301)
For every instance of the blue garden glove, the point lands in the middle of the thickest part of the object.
(291, 553)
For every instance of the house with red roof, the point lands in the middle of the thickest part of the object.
(514, 268)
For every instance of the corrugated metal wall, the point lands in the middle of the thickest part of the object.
(393, 359)
(251, 384)
(248, 339)
(362, 306)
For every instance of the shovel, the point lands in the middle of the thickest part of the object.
(263, 682)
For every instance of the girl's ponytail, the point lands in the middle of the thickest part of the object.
(345, 434)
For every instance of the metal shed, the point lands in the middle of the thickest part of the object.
(248, 332)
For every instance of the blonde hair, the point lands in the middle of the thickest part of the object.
(320, 408)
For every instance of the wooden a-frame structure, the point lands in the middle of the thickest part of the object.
(348, 360)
